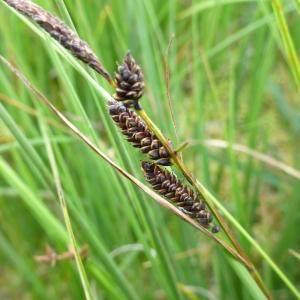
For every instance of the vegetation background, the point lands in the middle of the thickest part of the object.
(232, 82)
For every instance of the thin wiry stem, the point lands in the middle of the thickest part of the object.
(167, 75)
(182, 167)
(176, 159)
(60, 193)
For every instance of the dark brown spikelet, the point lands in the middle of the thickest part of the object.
(60, 32)
(137, 133)
(130, 82)
(169, 186)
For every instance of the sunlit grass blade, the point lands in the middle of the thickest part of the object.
(287, 40)
(67, 220)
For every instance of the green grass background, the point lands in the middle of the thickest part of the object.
(231, 79)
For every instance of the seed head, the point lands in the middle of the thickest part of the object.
(137, 133)
(130, 82)
(61, 33)
(169, 186)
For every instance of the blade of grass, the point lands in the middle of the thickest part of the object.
(71, 236)
(287, 40)
(267, 159)
(251, 240)
(295, 254)
(21, 265)
(199, 7)
(46, 219)
(233, 38)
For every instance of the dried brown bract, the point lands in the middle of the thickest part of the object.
(130, 82)
(52, 257)
(169, 186)
(138, 134)
(60, 32)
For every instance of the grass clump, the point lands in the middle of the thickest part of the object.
(99, 206)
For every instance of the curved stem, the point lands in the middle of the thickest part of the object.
(188, 175)
(176, 159)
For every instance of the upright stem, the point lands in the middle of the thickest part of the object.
(176, 159)
(188, 175)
